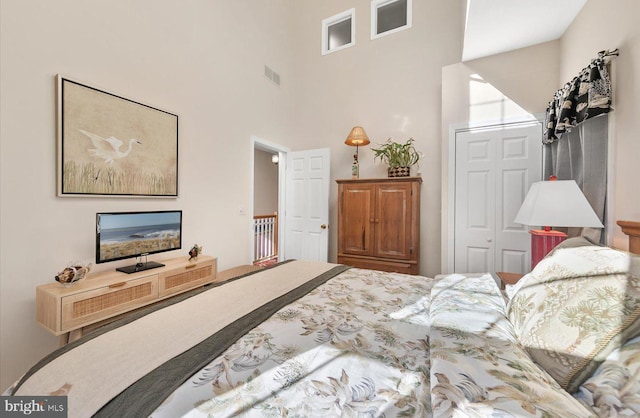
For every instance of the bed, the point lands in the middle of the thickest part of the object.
(305, 339)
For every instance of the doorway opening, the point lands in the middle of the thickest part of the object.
(267, 226)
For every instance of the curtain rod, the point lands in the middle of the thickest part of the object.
(609, 53)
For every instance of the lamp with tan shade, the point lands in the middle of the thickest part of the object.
(356, 137)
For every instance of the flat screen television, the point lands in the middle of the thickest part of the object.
(123, 235)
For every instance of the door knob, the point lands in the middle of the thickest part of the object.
(323, 226)
(489, 239)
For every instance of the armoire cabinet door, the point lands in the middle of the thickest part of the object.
(393, 221)
(356, 214)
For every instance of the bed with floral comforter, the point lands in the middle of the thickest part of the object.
(356, 346)
(363, 343)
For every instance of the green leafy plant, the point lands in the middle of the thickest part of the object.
(395, 154)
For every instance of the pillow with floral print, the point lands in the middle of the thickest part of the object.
(614, 389)
(574, 308)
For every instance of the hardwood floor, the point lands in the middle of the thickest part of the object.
(236, 271)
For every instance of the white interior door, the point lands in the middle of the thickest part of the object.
(494, 169)
(307, 205)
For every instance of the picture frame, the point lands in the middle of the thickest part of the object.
(112, 146)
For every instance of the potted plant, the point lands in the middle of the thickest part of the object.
(399, 157)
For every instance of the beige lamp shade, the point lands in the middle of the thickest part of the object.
(557, 203)
(357, 137)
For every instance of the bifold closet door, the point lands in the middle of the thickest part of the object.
(494, 170)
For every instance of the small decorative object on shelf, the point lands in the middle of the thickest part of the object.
(355, 167)
(72, 274)
(398, 171)
(399, 157)
(195, 251)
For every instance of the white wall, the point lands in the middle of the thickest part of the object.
(601, 26)
(530, 76)
(390, 86)
(204, 61)
(514, 77)
(200, 59)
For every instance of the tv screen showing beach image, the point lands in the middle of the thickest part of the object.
(125, 235)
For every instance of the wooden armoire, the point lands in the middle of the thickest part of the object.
(379, 223)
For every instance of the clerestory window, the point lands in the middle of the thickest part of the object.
(338, 31)
(389, 16)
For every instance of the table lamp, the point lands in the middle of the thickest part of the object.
(356, 137)
(558, 203)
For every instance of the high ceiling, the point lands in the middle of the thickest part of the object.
(496, 26)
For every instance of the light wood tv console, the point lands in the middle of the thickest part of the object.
(67, 311)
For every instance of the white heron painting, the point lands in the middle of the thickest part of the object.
(112, 146)
(108, 148)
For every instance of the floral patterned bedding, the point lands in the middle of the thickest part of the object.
(478, 368)
(614, 389)
(356, 346)
(366, 343)
(369, 344)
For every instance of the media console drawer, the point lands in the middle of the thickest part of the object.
(185, 278)
(97, 304)
(107, 294)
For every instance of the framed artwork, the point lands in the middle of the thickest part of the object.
(109, 145)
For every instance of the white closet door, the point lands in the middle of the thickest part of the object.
(494, 169)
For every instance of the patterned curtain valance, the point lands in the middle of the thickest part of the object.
(586, 96)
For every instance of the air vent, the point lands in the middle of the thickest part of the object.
(271, 75)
